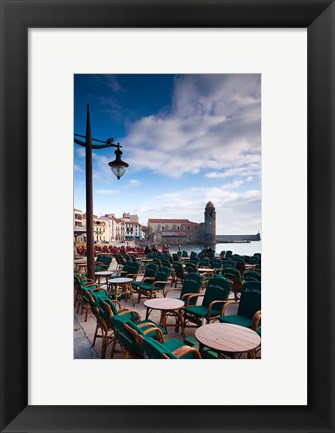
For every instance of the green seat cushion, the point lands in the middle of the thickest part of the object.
(151, 322)
(236, 319)
(136, 283)
(201, 311)
(149, 287)
(259, 331)
(154, 350)
(174, 344)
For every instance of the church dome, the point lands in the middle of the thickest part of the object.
(209, 205)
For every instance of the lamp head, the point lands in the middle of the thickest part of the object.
(118, 166)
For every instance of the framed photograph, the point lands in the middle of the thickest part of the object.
(42, 387)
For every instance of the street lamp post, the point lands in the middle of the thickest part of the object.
(118, 168)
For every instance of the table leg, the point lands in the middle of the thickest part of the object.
(131, 294)
(178, 321)
(163, 320)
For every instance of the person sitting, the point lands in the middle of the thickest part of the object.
(154, 249)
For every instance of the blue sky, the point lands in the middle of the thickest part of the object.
(188, 139)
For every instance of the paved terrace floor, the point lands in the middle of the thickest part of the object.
(84, 331)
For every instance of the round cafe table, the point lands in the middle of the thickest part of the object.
(103, 274)
(208, 271)
(224, 338)
(125, 284)
(168, 307)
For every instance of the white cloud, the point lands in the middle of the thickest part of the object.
(133, 182)
(236, 212)
(252, 169)
(214, 123)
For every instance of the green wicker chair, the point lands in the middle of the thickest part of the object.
(96, 298)
(150, 288)
(234, 275)
(249, 305)
(192, 285)
(81, 282)
(178, 273)
(149, 275)
(130, 335)
(102, 264)
(214, 299)
(130, 269)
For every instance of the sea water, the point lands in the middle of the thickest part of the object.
(243, 249)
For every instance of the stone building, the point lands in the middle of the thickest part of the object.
(183, 231)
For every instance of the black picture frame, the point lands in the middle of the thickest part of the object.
(16, 17)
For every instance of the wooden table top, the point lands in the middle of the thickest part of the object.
(120, 280)
(104, 273)
(164, 304)
(227, 338)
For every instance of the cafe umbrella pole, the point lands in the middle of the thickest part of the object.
(118, 168)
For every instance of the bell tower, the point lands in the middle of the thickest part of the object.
(210, 224)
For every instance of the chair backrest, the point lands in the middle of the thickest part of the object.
(192, 284)
(184, 254)
(252, 260)
(204, 261)
(193, 255)
(216, 263)
(190, 267)
(227, 263)
(125, 336)
(179, 270)
(150, 270)
(251, 275)
(81, 281)
(250, 300)
(166, 263)
(222, 254)
(119, 259)
(132, 268)
(157, 262)
(107, 308)
(105, 259)
(91, 299)
(229, 253)
(126, 267)
(232, 274)
(163, 274)
(218, 289)
(240, 264)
